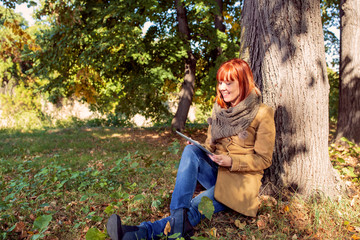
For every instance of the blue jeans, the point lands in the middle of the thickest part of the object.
(194, 166)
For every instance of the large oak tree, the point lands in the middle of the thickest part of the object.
(284, 43)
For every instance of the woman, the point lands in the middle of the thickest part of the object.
(241, 135)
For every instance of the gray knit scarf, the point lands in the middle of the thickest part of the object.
(234, 120)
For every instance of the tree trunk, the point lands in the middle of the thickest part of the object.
(187, 89)
(349, 98)
(219, 25)
(284, 45)
(219, 19)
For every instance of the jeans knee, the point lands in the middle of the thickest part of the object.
(190, 148)
(193, 151)
(189, 152)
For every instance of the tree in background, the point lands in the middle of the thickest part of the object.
(187, 89)
(349, 97)
(97, 51)
(283, 41)
(10, 4)
(19, 100)
(216, 40)
(14, 39)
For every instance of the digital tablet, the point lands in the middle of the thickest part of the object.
(195, 143)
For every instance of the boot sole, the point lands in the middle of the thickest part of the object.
(113, 227)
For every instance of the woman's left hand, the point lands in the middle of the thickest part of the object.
(221, 160)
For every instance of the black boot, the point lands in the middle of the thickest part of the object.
(179, 223)
(117, 231)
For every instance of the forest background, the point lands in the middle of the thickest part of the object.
(100, 55)
(61, 57)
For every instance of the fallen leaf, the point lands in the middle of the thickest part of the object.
(239, 224)
(268, 200)
(286, 208)
(350, 228)
(230, 230)
(19, 227)
(352, 202)
(242, 237)
(167, 228)
(206, 207)
(355, 237)
(24, 234)
(68, 222)
(261, 224)
(213, 232)
(86, 228)
(28, 233)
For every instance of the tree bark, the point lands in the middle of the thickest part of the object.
(284, 45)
(219, 19)
(349, 96)
(187, 89)
(219, 25)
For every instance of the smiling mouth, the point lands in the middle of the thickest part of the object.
(225, 94)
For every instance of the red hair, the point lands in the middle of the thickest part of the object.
(235, 70)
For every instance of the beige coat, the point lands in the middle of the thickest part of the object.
(238, 186)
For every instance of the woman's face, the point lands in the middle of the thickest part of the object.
(230, 92)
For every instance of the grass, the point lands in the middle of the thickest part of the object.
(65, 183)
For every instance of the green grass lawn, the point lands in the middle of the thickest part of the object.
(65, 183)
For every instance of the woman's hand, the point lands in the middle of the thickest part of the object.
(221, 160)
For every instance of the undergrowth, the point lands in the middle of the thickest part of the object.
(65, 183)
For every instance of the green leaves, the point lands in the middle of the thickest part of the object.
(95, 234)
(175, 147)
(344, 157)
(101, 53)
(349, 171)
(138, 197)
(83, 198)
(109, 210)
(206, 207)
(42, 222)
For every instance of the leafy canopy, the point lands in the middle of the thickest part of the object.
(99, 51)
